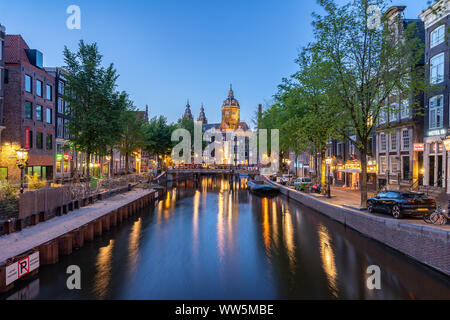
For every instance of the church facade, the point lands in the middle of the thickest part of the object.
(235, 133)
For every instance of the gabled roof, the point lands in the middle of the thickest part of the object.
(15, 48)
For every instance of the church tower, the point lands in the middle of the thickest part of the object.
(202, 117)
(187, 112)
(231, 112)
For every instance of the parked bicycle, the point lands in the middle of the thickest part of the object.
(439, 216)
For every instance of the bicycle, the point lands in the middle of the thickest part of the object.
(439, 217)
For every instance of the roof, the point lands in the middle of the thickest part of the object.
(15, 48)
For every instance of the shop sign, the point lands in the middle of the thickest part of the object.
(419, 147)
(438, 132)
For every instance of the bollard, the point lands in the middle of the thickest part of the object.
(100, 196)
(70, 206)
(84, 202)
(91, 200)
(34, 219)
(88, 231)
(78, 238)
(76, 204)
(8, 227)
(19, 225)
(58, 211)
(65, 209)
(48, 253)
(98, 227)
(65, 244)
(43, 216)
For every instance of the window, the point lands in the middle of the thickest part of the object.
(39, 138)
(39, 88)
(61, 87)
(6, 76)
(437, 69)
(370, 146)
(394, 141)
(383, 164)
(28, 84)
(437, 36)
(59, 127)
(393, 112)
(49, 114)
(28, 110)
(31, 138)
(406, 168)
(49, 92)
(39, 113)
(383, 142)
(405, 140)
(395, 168)
(60, 105)
(405, 110)
(49, 141)
(66, 129)
(1, 50)
(436, 110)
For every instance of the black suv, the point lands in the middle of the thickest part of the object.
(400, 203)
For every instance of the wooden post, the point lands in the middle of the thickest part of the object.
(88, 231)
(48, 253)
(98, 227)
(78, 238)
(65, 244)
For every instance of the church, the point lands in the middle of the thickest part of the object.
(230, 126)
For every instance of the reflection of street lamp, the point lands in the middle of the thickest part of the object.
(22, 158)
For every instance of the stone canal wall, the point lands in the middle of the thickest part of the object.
(44, 243)
(427, 244)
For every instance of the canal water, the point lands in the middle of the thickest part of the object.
(215, 240)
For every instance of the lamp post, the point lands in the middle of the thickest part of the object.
(329, 162)
(22, 158)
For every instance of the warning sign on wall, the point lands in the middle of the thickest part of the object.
(22, 267)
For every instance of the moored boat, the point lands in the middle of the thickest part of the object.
(261, 188)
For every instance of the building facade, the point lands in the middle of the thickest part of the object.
(29, 111)
(3, 172)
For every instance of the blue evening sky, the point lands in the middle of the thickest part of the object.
(167, 51)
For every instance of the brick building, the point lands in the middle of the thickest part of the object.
(3, 171)
(28, 110)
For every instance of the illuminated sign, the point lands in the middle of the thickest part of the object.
(419, 147)
(67, 157)
(59, 156)
(438, 132)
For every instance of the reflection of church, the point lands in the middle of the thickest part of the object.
(231, 126)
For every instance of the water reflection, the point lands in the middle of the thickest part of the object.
(104, 271)
(328, 260)
(212, 239)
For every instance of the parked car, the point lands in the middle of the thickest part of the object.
(400, 203)
(302, 183)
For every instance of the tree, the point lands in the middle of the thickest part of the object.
(368, 65)
(94, 105)
(158, 138)
(133, 136)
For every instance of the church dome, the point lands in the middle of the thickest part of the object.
(231, 102)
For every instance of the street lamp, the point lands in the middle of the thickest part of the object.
(22, 158)
(329, 162)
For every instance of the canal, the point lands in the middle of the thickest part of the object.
(215, 240)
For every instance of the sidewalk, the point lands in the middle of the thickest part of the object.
(19, 242)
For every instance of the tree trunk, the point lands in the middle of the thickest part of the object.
(363, 178)
(88, 171)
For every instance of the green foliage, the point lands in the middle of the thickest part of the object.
(8, 188)
(35, 183)
(95, 107)
(158, 137)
